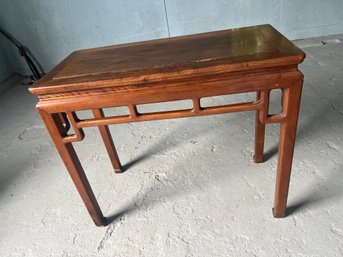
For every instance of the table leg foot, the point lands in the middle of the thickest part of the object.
(258, 159)
(104, 221)
(278, 215)
(118, 170)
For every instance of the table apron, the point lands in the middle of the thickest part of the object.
(88, 101)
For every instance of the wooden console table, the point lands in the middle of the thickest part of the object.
(252, 59)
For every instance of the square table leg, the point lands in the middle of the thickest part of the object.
(288, 127)
(66, 150)
(260, 128)
(108, 141)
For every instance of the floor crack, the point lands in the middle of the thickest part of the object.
(111, 228)
(337, 110)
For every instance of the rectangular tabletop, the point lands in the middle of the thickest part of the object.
(154, 61)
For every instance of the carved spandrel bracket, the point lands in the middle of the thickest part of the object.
(72, 119)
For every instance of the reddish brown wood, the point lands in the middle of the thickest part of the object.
(108, 141)
(288, 128)
(170, 114)
(253, 59)
(73, 165)
(259, 133)
(131, 66)
(78, 132)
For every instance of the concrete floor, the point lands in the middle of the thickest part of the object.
(191, 187)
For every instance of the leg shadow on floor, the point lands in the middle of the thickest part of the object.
(328, 189)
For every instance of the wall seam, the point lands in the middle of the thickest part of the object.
(166, 14)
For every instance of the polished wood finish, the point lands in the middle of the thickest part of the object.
(108, 141)
(132, 66)
(252, 59)
(288, 128)
(73, 165)
(260, 128)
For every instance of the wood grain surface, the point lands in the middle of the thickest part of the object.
(131, 65)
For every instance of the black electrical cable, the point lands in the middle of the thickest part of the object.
(23, 51)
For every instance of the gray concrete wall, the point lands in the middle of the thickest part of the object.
(5, 66)
(294, 18)
(53, 29)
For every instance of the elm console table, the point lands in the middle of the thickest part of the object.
(252, 59)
